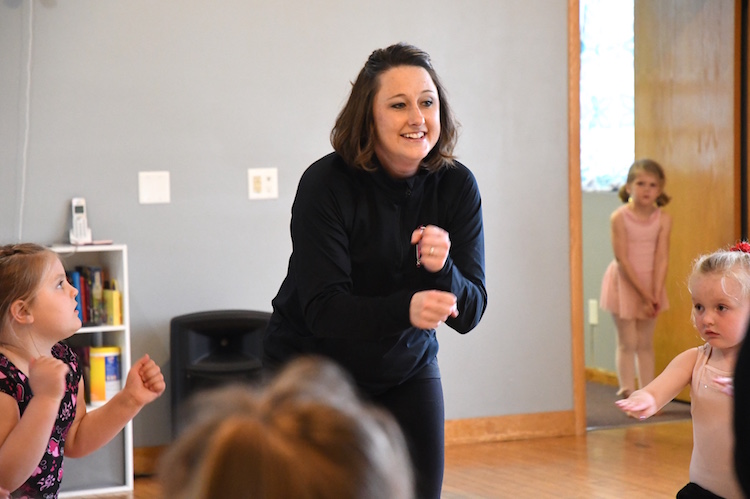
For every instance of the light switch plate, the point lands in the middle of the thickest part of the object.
(153, 187)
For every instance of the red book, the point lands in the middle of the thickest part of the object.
(85, 287)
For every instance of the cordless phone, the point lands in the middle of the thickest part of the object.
(80, 233)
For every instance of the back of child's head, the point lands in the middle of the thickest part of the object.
(731, 263)
(305, 435)
(22, 267)
(313, 378)
(645, 166)
(306, 450)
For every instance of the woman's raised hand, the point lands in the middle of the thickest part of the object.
(433, 246)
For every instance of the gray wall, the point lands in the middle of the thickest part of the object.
(600, 339)
(208, 89)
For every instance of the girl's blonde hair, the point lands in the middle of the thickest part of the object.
(733, 263)
(648, 166)
(22, 268)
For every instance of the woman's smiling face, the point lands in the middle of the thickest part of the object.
(406, 112)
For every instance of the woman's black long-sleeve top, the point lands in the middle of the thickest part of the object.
(353, 272)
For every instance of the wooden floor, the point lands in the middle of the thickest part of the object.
(647, 460)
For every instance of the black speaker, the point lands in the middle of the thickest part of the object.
(214, 348)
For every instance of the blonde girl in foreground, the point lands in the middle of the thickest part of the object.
(720, 290)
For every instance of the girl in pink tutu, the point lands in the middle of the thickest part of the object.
(633, 285)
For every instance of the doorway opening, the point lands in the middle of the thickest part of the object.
(607, 141)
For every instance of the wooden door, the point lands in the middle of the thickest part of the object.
(686, 118)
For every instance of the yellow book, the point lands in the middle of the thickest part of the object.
(113, 305)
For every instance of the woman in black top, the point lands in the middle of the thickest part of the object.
(388, 244)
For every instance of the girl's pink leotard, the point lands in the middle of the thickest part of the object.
(618, 295)
(712, 462)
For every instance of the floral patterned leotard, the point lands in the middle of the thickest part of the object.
(45, 481)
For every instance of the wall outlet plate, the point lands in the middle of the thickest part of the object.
(263, 183)
(593, 312)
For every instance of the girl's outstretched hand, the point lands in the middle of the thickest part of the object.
(145, 382)
(640, 404)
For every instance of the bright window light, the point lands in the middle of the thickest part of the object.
(607, 93)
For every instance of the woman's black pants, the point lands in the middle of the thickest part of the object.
(418, 407)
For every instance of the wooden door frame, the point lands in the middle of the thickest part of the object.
(575, 217)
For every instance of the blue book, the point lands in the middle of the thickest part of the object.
(74, 278)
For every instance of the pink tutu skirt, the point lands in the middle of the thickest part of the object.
(620, 298)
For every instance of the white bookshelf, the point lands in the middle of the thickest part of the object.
(110, 469)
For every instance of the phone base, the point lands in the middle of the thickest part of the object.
(81, 238)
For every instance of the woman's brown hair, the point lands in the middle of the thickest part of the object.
(353, 135)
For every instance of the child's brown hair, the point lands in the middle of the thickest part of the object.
(647, 166)
(22, 267)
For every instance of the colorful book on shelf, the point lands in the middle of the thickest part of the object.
(97, 296)
(74, 278)
(92, 295)
(85, 287)
(113, 303)
(99, 299)
(86, 272)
